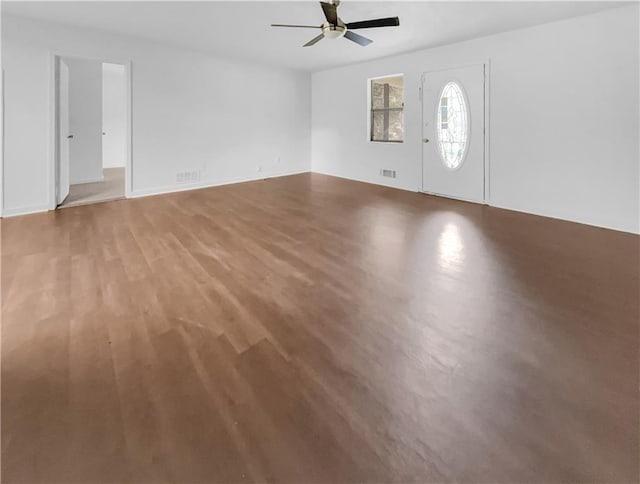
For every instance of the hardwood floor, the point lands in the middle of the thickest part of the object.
(312, 329)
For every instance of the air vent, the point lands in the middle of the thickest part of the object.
(188, 176)
(388, 173)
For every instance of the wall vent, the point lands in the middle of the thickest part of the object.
(188, 176)
(388, 173)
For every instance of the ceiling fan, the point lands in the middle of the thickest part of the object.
(334, 27)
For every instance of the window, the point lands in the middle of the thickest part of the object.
(387, 104)
(453, 125)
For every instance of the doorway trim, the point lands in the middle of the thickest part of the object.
(53, 165)
(2, 142)
(487, 118)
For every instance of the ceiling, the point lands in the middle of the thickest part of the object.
(241, 30)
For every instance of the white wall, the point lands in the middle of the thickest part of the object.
(114, 115)
(564, 118)
(85, 120)
(191, 113)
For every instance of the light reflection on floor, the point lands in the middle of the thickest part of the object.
(451, 252)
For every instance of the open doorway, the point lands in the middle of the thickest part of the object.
(92, 131)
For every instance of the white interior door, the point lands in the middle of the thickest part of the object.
(453, 132)
(64, 137)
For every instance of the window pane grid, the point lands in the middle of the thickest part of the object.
(387, 106)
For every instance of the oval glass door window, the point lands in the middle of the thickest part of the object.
(452, 125)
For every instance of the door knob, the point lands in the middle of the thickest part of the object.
(426, 140)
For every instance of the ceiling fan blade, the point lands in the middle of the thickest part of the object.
(297, 26)
(380, 22)
(357, 38)
(313, 41)
(330, 12)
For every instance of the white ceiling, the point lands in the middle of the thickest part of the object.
(241, 29)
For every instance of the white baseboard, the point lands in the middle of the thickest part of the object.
(147, 192)
(495, 205)
(381, 183)
(565, 219)
(26, 210)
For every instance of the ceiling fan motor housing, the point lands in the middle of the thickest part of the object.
(334, 31)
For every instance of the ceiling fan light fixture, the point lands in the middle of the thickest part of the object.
(333, 31)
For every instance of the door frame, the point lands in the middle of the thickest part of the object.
(1, 142)
(486, 152)
(60, 142)
(54, 162)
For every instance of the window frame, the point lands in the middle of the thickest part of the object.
(372, 110)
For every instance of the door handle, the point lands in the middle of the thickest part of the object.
(426, 140)
(69, 136)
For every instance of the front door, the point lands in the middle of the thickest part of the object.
(453, 132)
